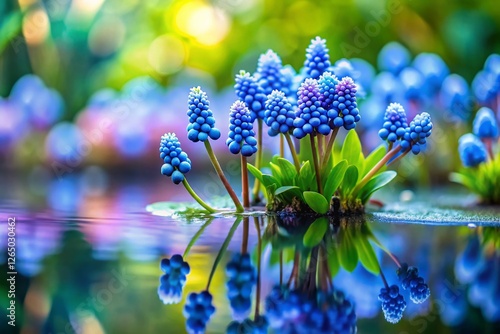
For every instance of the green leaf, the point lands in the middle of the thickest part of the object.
(351, 149)
(284, 189)
(348, 255)
(366, 253)
(305, 150)
(334, 179)
(255, 172)
(275, 169)
(9, 29)
(315, 232)
(350, 180)
(373, 158)
(316, 201)
(375, 183)
(288, 172)
(306, 177)
(268, 180)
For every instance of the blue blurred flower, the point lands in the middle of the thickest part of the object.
(279, 114)
(387, 88)
(270, 74)
(366, 73)
(470, 261)
(413, 83)
(455, 96)
(174, 279)
(311, 116)
(201, 120)
(176, 161)
(198, 311)
(472, 150)
(393, 57)
(343, 68)
(66, 143)
(433, 69)
(241, 134)
(486, 87)
(317, 58)
(485, 124)
(395, 123)
(242, 278)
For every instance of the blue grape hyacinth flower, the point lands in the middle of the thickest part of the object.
(393, 303)
(416, 134)
(174, 279)
(486, 87)
(201, 120)
(176, 161)
(311, 116)
(247, 326)
(419, 290)
(317, 58)
(344, 111)
(433, 69)
(270, 75)
(393, 57)
(327, 83)
(198, 311)
(472, 150)
(395, 123)
(279, 115)
(455, 96)
(413, 82)
(250, 92)
(241, 134)
(485, 124)
(242, 278)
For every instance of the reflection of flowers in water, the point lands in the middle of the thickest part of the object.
(408, 276)
(393, 304)
(174, 279)
(198, 310)
(242, 279)
(303, 311)
(248, 326)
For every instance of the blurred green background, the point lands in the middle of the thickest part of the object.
(81, 46)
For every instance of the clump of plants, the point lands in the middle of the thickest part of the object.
(305, 110)
(480, 155)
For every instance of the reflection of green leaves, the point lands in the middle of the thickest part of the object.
(178, 208)
(334, 179)
(196, 236)
(315, 232)
(333, 261)
(375, 184)
(348, 254)
(316, 201)
(365, 250)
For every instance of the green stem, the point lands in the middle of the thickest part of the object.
(316, 163)
(383, 278)
(295, 157)
(244, 182)
(196, 197)
(375, 169)
(222, 177)
(259, 254)
(196, 236)
(329, 148)
(258, 163)
(223, 250)
(401, 156)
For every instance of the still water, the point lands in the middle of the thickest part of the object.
(102, 268)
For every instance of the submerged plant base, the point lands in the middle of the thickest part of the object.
(338, 208)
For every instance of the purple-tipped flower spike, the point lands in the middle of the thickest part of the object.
(279, 114)
(241, 134)
(174, 279)
(419, 290)
(472, 150)
(327, 83)
(393, 57)
(201, 120)
(176, 161)
(344, 110)
(249, 91)
(311, 116)
(455, 96)
(270, 75)
(395, 123)
(317, 58)
(416, 134)
(198, 311)
(485, 125)
(393, 304)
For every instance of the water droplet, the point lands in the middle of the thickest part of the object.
(471, 225)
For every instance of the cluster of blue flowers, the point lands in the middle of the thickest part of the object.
(419, 290)
(486, 83)
(201, 120)
(198, 311)
(242, 278)
(172, 282)
(310, 115)
(395, 123)
(271, 75)
(344, 110)
(471, 146)
(393, 303)
(247, 326)
(241, 134)
(176, 161)
(251, 93)
(292, 311)
(279, 114)
(317, 58)
(416, 134)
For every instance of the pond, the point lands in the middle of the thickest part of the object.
(97, 264)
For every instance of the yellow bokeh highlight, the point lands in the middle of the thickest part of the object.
(166, 54)
(207, 24)
(36, 26)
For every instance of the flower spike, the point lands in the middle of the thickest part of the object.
(201, 121)
(395, 123)
(176, 161)
(317, 58)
